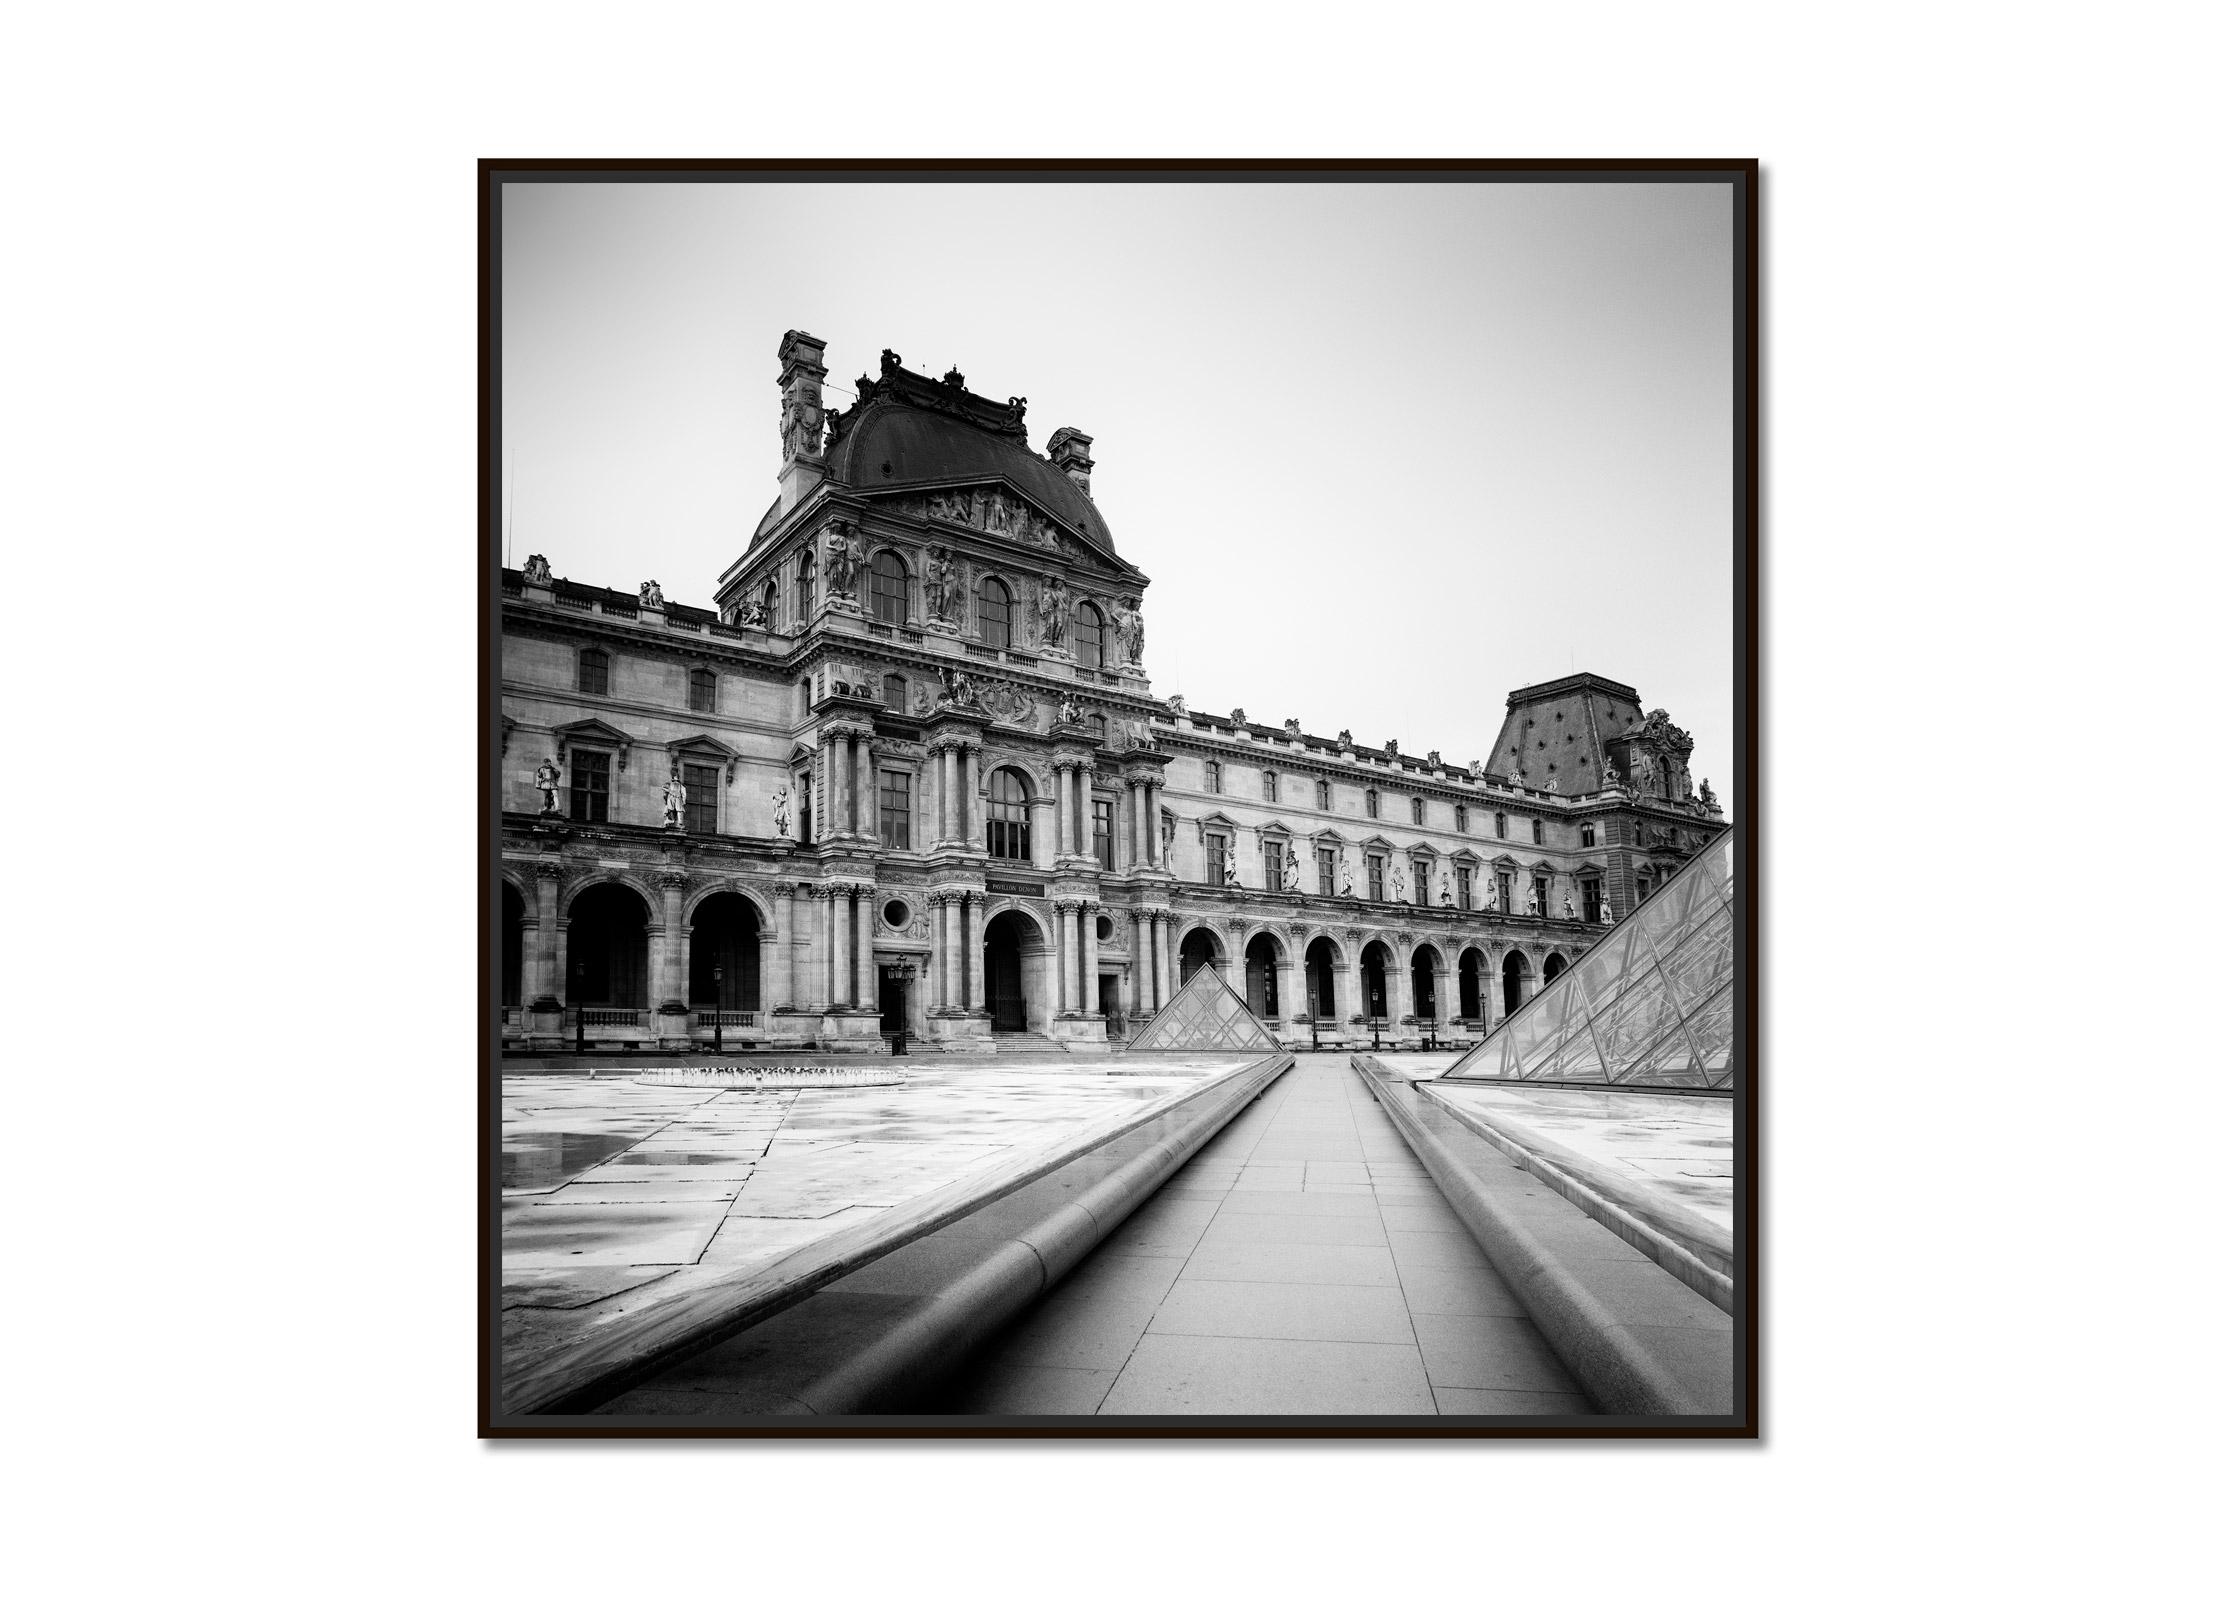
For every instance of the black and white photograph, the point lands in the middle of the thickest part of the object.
(1119, 800)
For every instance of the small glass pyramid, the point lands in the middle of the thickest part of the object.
(1651, 1005)
(1205, 1014)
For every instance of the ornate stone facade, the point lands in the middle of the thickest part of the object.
(963, 812)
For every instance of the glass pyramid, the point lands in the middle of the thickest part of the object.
(1651, 1005)
(1205, 1014)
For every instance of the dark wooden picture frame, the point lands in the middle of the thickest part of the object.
(564, 1409)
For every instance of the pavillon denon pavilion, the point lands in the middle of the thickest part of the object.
(908, 776)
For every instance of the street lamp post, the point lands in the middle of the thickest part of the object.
(719, 1010)
(579, 1008)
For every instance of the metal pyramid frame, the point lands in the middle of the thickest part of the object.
(1205, 1014)
(1650, 1005)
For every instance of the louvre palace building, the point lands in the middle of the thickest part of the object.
(907, 775)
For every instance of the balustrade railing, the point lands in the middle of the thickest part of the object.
(611, 1017)
(731, 1019)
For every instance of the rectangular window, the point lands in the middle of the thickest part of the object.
(1415, 811)
(1271, 864)
(591, 672)
(1376, 876)
(1462, 819)
(1462, 888)
(1586, 836)
(1217, 858)
(1501, 824)
(1503, 887)
(1423, 882)
(1539, 831)
(699, 799)
(1103, 821)
(587, 786)
(1322, 794)
(1326, 870)
(894, 810)
(897, 691)
(1268, 787)
(1213, 777)
(1371, 800)
(703, 689)
(1590, 890)
(1540, 906)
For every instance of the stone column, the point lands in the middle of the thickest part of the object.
(669, 975)
(867, 968)
(944, 788)
(1042, 831)
(1068, 957)
(1152, 841)
(827, 816)
(867, 791)
(1089, 957)
(975, 827)
(778, 970)
(951, 917)
(975, 956)
(836, 963)
(1288, 1003)
(1162, 957)
(542, 981)
(1143, 985)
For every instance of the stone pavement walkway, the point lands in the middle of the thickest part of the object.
(1303, 1262)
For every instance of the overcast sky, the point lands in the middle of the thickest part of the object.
(1386, 451)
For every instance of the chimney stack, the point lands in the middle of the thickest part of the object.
(801, 374)
(1069, 452)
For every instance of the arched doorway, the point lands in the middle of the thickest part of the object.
(1261, 957)
(726, 933)
(1008, 948)
(607, 948)
(510, 917)
(1200, 949)
(1513, 970)
(1322, 979)
(1376, 965)
(1423, 978)
(1472, 973)
(1552, 968)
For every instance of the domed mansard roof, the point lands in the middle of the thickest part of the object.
(906, 431)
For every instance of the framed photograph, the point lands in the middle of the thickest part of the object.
(1217, 899)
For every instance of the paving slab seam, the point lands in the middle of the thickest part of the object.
(1589, 1337)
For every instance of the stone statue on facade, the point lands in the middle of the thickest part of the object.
(1345, 878)
(999, 514)
(781, 812)
(801, 426)
(843, 559)
(1069, 714)
(1392, 747)
(1175, 705)
(1399, 885)
(1609, 773)
(672, 800)
(548, 781)
(1446, 890)
(1291, 870)
(1433, 758)
(1345, 738)
(1569, 914)
(1710, 800)
(538, 571)
(941, 584)
(1057, 612)
(649, 596)
(1291, 725)
(1130, 624)
(1607, 917)
(1229, 871)
(1477, 770)
(1237, 719)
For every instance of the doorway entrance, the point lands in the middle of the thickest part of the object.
(894, 1000)
(1007, 999)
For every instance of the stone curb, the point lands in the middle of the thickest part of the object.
(1589, 1336)
(944, 1329)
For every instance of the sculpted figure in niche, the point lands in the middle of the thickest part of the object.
(1229, 870)
(941, 584)
(1291, 870)
(537, 570)
(1130, 624)
(1446, 890)
(781, 812)
(672, 800)
(1569, 915)
(1345, 878)
(1607, 916)
(843, 559)
(548, 788)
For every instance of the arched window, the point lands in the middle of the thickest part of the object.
(1009, 833)
(1088, 635)
(591, 672)
(995, 614)
(804, 591)
(703, 689)
(770, 604)
(890, 589)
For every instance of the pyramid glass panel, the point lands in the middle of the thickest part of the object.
(1205, 1014)
(1651, 1003)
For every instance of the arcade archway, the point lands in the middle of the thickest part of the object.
(607, 948)
(726, 934)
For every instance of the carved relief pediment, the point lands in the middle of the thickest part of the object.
(592, 731)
